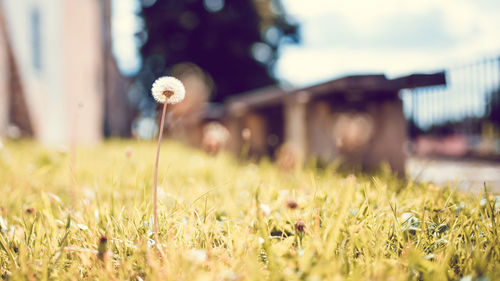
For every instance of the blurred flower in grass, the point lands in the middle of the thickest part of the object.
(266, 210)
(197, 256)
(292, 204)
(215, 137)
(300, 226)
(29, 210)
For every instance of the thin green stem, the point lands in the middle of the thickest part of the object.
(155, 195)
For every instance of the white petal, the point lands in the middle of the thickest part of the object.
(171, 84)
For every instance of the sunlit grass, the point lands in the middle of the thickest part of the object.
(224, 220)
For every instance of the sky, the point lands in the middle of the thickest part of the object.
(394, 37)
(125, 23)
(341, 37)
(391, 36)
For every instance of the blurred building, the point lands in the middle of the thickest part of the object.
(356, 119)
(59, 69)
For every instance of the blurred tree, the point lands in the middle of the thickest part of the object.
(236, 41)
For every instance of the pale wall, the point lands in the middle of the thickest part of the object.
(83, 69)
(43, 89)
(71, 71)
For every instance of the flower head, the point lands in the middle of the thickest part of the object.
(197, 255)
(292, 204)
(300, 226)
(103, 246)
(266, 210)
(168, 89)
(30, 210)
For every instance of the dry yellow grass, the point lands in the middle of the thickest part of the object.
(224, 220)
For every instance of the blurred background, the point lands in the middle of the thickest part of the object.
(367, 82)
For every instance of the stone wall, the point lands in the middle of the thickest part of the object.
(361, 139)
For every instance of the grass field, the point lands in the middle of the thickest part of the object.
(225, 220)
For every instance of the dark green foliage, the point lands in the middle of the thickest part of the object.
(218, 41)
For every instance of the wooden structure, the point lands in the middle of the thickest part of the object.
(356, 119)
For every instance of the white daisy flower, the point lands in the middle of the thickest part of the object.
(266, 210)
(168, 89)
(82, 226)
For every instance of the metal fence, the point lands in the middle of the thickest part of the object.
(468, 96)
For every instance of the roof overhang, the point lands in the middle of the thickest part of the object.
(363, 86)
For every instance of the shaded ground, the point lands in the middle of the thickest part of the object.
(468, 175)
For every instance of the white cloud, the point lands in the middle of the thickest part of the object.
(307, 66)
(362, 36)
